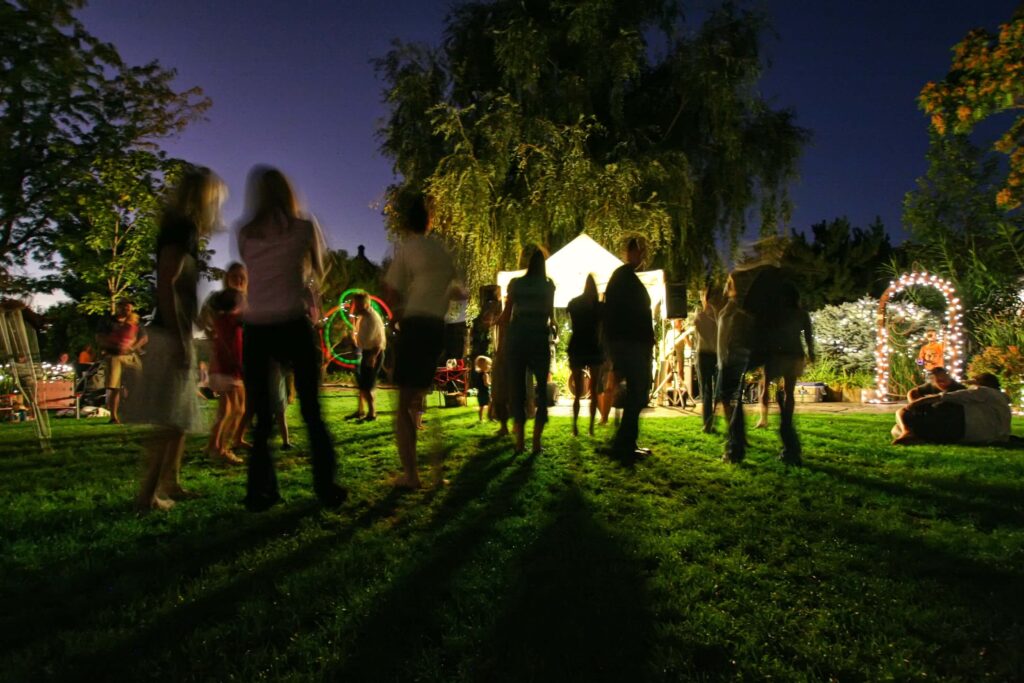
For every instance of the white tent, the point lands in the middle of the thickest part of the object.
(569, 266)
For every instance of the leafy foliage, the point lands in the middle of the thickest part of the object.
(1006, 363)
(68, 102)
(985, 80)
(537, 120)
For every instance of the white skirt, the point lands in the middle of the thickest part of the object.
(164, 393)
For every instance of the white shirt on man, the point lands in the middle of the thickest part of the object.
(986, 413)
(422, 272)
(370, 330)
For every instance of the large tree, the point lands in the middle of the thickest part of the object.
(68, 101)
(538, 119)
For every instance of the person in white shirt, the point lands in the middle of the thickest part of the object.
(980, 414)
(419, 279)
(282, 251)
(371, 342)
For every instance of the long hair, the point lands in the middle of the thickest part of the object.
(590, 290)
(536, 267)
(198, 196)
(270, 195)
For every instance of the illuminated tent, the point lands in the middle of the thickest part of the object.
(569, 266)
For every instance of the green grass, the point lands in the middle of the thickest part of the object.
(870, 563)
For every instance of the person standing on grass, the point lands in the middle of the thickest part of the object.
(705, 325)
(629, 333)
(420, 280)
(530, 311)
(585, 349)
(221, 317)
(121, 344)
(283, 252)
(499, 405)
(371, 341)
(166, 394)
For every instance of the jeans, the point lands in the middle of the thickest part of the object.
(707, 377)
(632, 364)
(294, 344)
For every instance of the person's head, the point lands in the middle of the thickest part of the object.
(635, 252)
(482, 364)
(123, 308)
(536, 267)
(416, 216)
(236, 277)
(677, 324)
(940, 378)
(269, 194)
(590, 289)
(931, 335)
(360, 302)
(986, 379)
(199, 196)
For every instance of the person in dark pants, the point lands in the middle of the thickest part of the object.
(585, 349)
(629, 334)
(282, 252)
(734, 354)
(705, 323)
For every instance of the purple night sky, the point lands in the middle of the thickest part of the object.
(292, 86)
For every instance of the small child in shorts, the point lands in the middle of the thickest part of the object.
(482, 380)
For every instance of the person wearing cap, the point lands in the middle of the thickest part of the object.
(980, 414)
(939, 381)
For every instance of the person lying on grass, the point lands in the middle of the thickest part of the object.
(979, 415)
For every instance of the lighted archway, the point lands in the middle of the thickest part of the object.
(953, 337)
(327, 346)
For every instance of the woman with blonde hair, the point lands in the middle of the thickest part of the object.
(283, 252)
(166, 396)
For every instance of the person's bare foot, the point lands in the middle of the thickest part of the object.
(177, 493)
(502, 432)
(143, 506)
(242, 443)
(405, 482)
(761, 424)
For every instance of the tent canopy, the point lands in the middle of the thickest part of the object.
(569, 266)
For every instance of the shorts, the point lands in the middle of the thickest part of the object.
(418, 347)
(116, 364)
(366, 373)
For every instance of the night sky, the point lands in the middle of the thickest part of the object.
(292, 86)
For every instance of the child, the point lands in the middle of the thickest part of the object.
(482, 380)
(224, 328)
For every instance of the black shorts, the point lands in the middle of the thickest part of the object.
(418, 347)
(938, 421)
(366, 373)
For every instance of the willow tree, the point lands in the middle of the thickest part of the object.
(538, 119)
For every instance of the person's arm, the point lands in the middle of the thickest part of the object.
(316, 253)
(809, 336)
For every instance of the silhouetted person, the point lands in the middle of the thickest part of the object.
(939, 381)
(705, 325)
(586, 353)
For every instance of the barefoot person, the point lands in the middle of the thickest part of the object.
(221, 317)
(530, 310)
(585, 350)
(166, 395)
(282, 251)
(371, 341)
(121, 344)
(420, 279)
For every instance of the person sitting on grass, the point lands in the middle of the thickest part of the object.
(939, 381)
(977, 415)
(482, 379)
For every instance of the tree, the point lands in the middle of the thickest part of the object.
(985, 80)
(106, 238)
(68, 101)
(537, 120)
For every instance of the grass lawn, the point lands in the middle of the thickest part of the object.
(870, 563)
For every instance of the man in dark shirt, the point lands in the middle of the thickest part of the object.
(629, 333)
(939, 381)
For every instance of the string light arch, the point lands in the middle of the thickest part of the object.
(952, 339)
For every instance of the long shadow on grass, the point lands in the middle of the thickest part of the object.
(991, 506)
(128, 656)
(577, 611)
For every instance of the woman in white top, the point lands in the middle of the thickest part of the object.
(282, 252)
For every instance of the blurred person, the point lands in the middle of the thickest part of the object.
(980, 414)
(120, 343)
(371, 342)
(790, 345)
(530, 311)
(629, 333)
(586, 353)
(482, 384)
(420, 280)
(281, 396)
(932, 353)
(221, 317)
(166, 395)
(283, 253)
(939, 381)
(705, 324)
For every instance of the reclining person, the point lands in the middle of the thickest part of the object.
(939, 381)
(977, 415)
